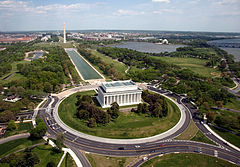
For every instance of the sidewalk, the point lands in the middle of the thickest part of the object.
(161, 136)
(220, 138)
(66, 150)
(10, 138)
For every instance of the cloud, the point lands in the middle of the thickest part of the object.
(170, 10)
(15, 6)
(194, 1)
(122, 12)
(166, 1)
(226, 2)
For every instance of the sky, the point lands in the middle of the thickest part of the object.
(171, 15)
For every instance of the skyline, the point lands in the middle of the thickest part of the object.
(156, 15)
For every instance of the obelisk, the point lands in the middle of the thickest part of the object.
(64, 34)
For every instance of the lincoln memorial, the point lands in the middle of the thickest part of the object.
(122, 92)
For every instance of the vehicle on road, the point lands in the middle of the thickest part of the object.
(196, 151)
(121, 148)
(152, 151)
(145, 158)
(137, 146)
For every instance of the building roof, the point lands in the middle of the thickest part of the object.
(118, 83)
(117, 86)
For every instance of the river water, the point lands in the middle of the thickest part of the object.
(232, 46)
(148, 47)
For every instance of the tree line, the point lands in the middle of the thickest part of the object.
(107, 69)
(94, 115)
(154, 105)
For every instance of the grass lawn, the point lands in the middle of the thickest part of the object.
(21, 128)
(105, 161)
(187, 160)
(234, 104)
(68, 161)
(117, 65)
(200, 137)
(128, 125)
(234, 139)
(189, 133)
(46, 155)
(15, 76)
(15, 145)
(193, 133)
(194, 64)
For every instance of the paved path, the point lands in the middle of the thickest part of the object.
(227, 109)
(15, 137)
(61, 160)
(161, 136)
(22, 149)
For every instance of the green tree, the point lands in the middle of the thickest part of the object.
(1, 88)
(219, 104)
(145, 108)
(92, 123)
(31, 106)
(19, 67)
(48, 87)
(210, 116)
(39, 130)
(11, 125)
(83, 114)
(206, 106)
(59, 141)
(51, 164)
(6, 116)
(21, 119)
(115, 110)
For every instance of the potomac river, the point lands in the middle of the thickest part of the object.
(147, 47)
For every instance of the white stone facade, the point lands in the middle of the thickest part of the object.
(122, 92)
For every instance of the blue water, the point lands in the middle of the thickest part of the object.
(37, 55)
(83, 67)
(148, 47)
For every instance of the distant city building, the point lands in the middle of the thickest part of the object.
(122, 92)
(165, 41)
(11, 39)
(1, 48)
(45, 38)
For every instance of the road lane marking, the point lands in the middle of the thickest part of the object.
(96, 148)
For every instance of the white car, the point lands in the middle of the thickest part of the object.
(137, 146)
(145, 158)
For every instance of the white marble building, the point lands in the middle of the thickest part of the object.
(122, 92)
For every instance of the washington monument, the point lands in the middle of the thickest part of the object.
(64, 34)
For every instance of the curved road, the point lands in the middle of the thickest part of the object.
(150, 149)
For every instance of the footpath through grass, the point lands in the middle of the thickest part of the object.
(194, 64)
(128, 126)
(232, 138)
(46, 155)
(187, 160)
(15, 145)
(68, 161)
(16, 76)
(106, 161)
(234, 104)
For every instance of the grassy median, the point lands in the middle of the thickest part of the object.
(106, 161)
(187, 160)
(128, 126)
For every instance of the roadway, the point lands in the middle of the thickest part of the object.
(149, 149)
